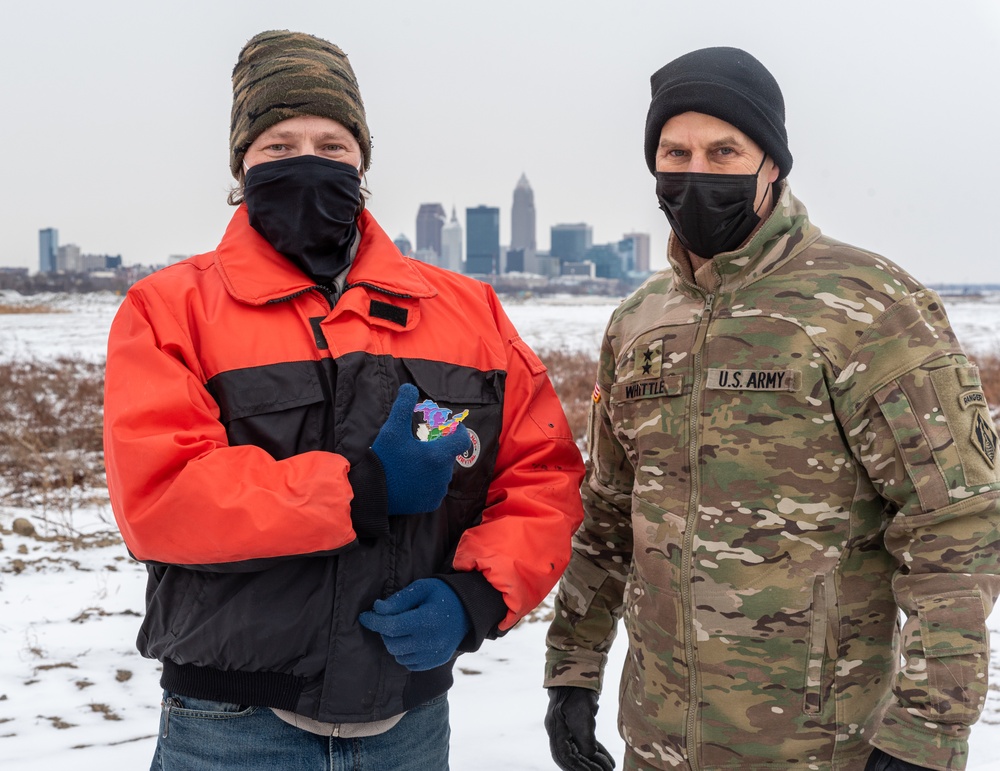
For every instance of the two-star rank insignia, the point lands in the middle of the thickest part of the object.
(649, 360)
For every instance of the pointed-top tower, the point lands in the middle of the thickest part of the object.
(522, 222)
(451, 244)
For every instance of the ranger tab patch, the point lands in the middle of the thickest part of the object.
(972, 399)
(984, 437)
(754, 379)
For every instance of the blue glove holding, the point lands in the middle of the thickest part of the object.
(416, 473)
(420, 625)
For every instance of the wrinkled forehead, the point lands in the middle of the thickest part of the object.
(697, 129)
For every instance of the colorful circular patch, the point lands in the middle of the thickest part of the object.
(468, 458)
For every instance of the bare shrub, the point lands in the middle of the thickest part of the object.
(989, 371)
(51, 423)
(573, 375)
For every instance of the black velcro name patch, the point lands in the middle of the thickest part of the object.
(388, 311)
(316, 324)
(669, 385)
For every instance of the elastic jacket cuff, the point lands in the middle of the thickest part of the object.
(370, 505)
(483, 604)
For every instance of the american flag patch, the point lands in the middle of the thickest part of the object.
(597, 393)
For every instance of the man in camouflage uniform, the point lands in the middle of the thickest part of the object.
(788, 446)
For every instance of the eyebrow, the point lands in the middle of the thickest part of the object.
(325, 136)
(729, 140)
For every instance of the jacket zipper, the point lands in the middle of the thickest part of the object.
(687, 552)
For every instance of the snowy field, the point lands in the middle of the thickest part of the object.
(75, 694)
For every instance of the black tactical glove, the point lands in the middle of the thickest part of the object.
(571, 721)
(879, 761)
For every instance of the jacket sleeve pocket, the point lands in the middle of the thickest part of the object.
(953, 650)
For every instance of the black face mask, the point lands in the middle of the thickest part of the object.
(306, 208)
(709, 213)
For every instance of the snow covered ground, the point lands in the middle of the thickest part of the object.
(75, 693)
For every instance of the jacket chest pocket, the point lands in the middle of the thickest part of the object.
(650, 393)
(649, 418)
(471, 396)
(280, 408)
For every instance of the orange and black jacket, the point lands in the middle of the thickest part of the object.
(240, 408)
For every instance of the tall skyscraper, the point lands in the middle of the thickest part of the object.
(48, 250)
(522, 225)
(430, 220)
(570, 242)
(482, 233)
(640, 249)
(451, 244)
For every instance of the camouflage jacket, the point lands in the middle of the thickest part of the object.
(779, 463)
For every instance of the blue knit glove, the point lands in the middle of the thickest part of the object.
(421, 625)
(416, 473)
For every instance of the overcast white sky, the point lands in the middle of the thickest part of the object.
(114, 115)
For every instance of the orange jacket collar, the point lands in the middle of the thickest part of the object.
(255, 273)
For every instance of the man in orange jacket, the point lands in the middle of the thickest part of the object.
(342, 467)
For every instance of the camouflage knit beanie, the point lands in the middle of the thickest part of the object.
(280, 75)
(728, 84)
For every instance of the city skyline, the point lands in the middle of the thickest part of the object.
(430, 226)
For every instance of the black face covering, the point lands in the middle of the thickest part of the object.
(709, 213)
(306, 208)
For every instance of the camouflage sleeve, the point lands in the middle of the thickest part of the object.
(928, 443)
(590, 595)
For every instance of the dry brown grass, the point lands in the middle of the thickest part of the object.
(989, 371)
(6, 309)
(50, 431)
(573, 375)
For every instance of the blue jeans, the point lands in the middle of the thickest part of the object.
(217, 736)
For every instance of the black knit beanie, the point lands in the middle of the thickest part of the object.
(728, 84)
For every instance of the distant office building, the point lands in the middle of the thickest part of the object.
(482, 234)
(430, 220)
(48, 250)
(96, 262)
(626, 255)
(451, 244)
(570, 242)
(522, 225)
(68, 259)
(514, 262)
(580, 268)
(546, 265)
(403, 244)
(640, 251)
(607, 259)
